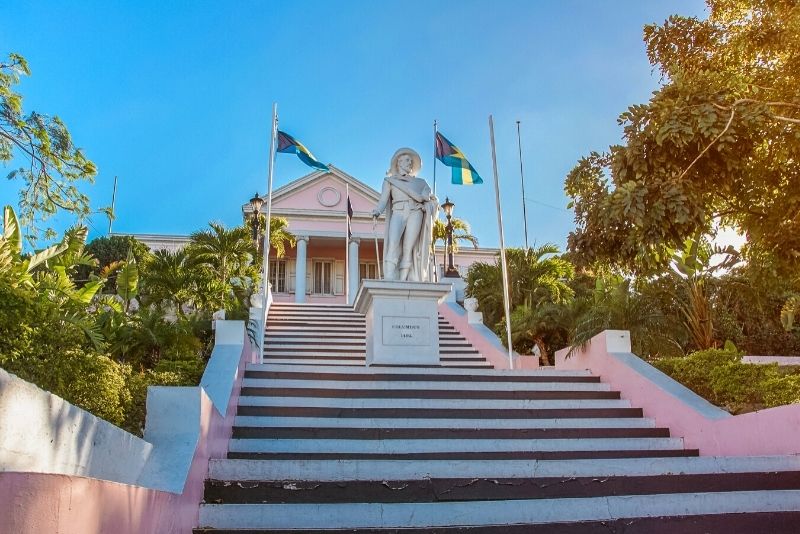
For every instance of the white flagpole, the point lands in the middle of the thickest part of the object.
(503, 263)
(433, 245)
(266, 245)
(347, 245)
(113, 202)
(522, 182)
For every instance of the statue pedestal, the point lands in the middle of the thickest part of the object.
(402, 321)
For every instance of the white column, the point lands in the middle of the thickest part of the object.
(300, 269)
(352, 275)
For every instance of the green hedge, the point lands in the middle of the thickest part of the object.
(38, 346)
(722, 378)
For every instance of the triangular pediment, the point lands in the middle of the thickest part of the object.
(322, 191)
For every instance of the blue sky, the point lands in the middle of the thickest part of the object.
(175, 97)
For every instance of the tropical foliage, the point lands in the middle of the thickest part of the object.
(97, 335)
(50, 167)
(461, 233)
(718, 143)
(538, 286)
(721, 377)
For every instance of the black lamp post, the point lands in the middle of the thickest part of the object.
(450, 271)
(255, 221)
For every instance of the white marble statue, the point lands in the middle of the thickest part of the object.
(410, 207)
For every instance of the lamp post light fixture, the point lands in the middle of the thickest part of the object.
(450, 271)
(255, 221)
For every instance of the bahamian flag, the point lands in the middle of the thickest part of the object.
(289, 145)
(462, 172)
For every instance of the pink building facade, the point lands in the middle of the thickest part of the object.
(324, 266)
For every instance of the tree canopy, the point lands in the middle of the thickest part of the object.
(717, 144)
(50, 167)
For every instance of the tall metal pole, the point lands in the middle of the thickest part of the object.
(433, 244)
(113, 202)
(265, 253)
(503, 263)
(435, 131)
(347, 246)
(522, 181)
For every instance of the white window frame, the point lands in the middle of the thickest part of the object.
(275, 267)
(331, 280)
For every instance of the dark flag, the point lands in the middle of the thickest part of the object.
(349, 217)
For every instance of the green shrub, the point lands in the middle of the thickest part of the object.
(694, 370)
(740, 387)
(720, 377)
(188, 371)
(89, 380)
(783, 390)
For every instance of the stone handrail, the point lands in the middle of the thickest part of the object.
(65, 470)
(702, 425)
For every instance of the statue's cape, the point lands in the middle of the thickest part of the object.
(421, 262)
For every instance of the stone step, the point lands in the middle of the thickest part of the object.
(343, 339)
(313, 363)
(332, 318)
(545, 412)
(308, 391)
(477, 375)
(453, 424)
(379, 470)
(322, 320)
(490, 489)
(463, 408)
(361, 332)
(305, 334)
(314, 311)
(355, 356)
(776, 522)
(403, 375)
(446, 355)
(379, 434)
(313, 342)
(453, 447)
(306, 326)
(491, 455)
(323, 345)
(315, 345)
(320, 327)
(424, 386)
(501, 513)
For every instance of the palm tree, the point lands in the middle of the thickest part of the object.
(279, 235)
(461, 231)
(168, 276)
(226, 252)
(539, 288)
(539, 275)
(618, 304)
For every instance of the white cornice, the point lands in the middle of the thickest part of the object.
(327, 214)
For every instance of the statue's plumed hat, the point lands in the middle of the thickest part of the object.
(416, 161)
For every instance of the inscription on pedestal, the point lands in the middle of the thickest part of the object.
(406, 331)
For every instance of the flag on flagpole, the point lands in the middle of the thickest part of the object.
(462, 173)
(349, 217)
(348, 291)
(289, 145)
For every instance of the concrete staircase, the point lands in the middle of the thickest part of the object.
(334, 335)
(322, 445)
